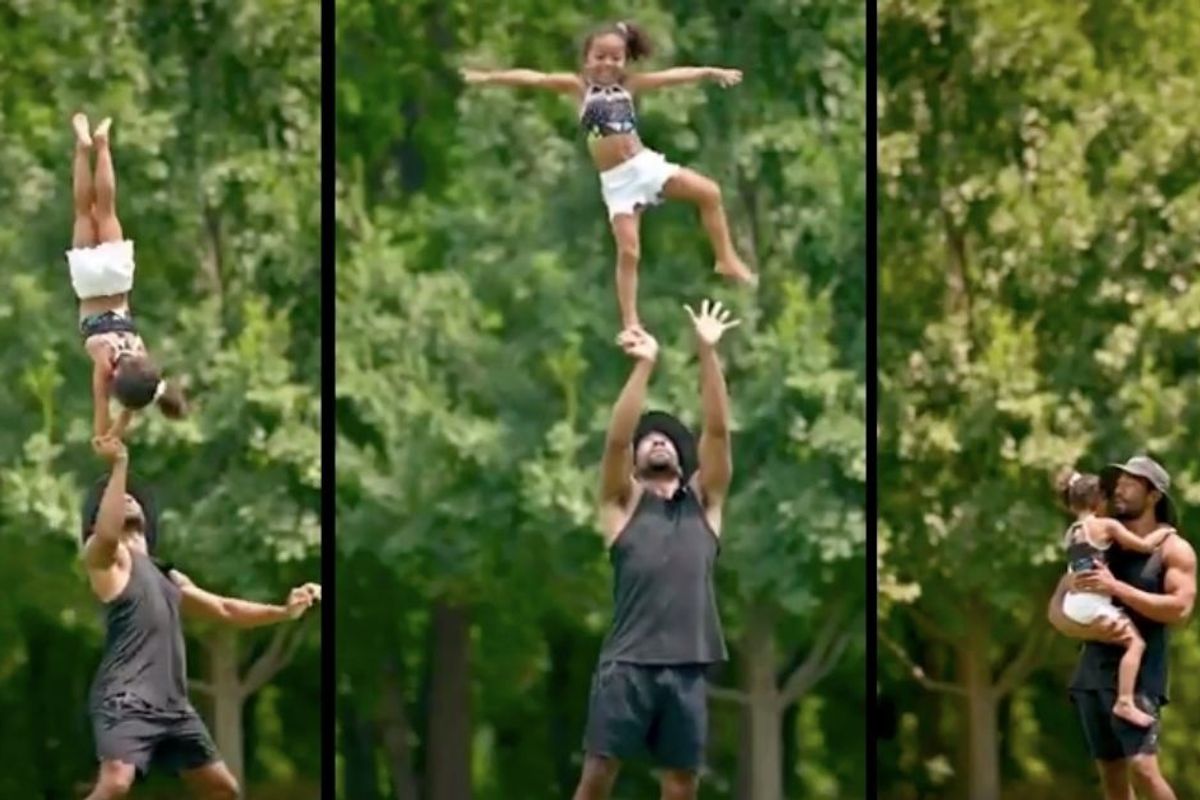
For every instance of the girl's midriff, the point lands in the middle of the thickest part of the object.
(613, 151)
(98, 305)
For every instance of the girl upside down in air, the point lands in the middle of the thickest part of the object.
(101, 263)
(632, 176)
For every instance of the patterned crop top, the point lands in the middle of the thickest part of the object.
(1082, 552)
(607, 111)
(115, 329)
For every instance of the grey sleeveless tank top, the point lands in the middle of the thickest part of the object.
(144, 662)
(1098, 662)
(665, 608)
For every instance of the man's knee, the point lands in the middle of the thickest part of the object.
(113, 784)
(599, 775)
(1144, 769)
(226, 789)
(679, 785)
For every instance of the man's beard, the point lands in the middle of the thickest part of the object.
(1125, 512)
(656, 469)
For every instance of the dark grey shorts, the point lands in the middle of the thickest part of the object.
(173, 742)
(637, 711)
(1111, 738)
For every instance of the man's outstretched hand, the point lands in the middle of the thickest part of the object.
(302, 598)
(638, 344)
(712, 321)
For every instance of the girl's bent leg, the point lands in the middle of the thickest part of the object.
(690, 185)
(627, 234)
(108, 227)
(1127, 672)
(83, 196)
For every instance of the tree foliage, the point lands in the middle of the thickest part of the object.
(216, 142)
(476, 372)
(1038, 207)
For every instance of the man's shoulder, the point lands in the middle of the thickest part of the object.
(1178, 552)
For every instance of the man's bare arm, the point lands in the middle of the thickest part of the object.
(100, 552)
(1179, 584)
(616, 466)
(716, 462)
(239, 613)
(716, 457)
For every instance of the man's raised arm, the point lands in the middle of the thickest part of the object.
(616, 466)
(101, 549)
(716, 460)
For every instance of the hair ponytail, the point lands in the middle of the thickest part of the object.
(1077, 491)
(637, 41)
(170, 400)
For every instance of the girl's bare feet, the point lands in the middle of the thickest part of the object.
(734, 267)
(101, 132)
(1126, 710)
(80, 123)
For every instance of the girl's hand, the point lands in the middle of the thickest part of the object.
(638, 344)
(110, 449)
(726, 77)
(473, 75)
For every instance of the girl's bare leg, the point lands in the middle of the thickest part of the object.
(108, 227)
(626, 232)
(1127, 672)
(689, 185)
(84, 232)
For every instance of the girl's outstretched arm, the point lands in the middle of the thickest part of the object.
(117, 431)
(101, 377)
(682, 75)
(564, 82)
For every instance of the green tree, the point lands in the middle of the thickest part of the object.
(216, 142)
(475, 377)
(1037, 188)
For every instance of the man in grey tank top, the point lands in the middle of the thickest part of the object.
(139, 706)
(1156, 590)
(661, 505)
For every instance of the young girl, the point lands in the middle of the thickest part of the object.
(101, 262)
(632, 177)
(1087, 541)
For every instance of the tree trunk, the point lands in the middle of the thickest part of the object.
(766, 718)
(396, 730)
(791, 750)
(358, 750)
(449, 754)
(227, 698)
(745, 762)
(560, 647)
(983, 749)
